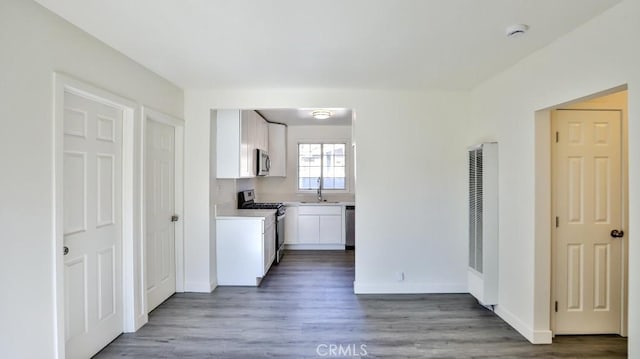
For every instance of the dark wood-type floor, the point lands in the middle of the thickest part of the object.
(306, 304)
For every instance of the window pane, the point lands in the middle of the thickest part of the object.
(314, 160)
(310, 161)
(328, 183)
(321, 161)
(305, 183)
(303, 172)
(328, 172)
(314, 172)
(316, 149)
(327, 161)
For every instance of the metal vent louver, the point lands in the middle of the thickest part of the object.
(483, 222)
(475, 209)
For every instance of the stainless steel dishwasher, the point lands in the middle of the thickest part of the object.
(350, 227)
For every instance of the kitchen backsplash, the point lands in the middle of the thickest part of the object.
(225, 194)
(304, 197)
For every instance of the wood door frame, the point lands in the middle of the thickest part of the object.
(149, 114)
(62, 84)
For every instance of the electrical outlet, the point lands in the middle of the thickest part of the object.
(400, 276)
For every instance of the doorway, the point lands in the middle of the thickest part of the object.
(93, 226)
(98, 163)
(163, 203)
(588, 209)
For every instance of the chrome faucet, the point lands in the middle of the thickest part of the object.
(319, 190)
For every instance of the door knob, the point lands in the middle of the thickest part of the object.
(617, 234)
(175, 218)
(65, 250)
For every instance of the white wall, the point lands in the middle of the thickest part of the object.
(286, 188)
(411, 184)
(34, 44)
(602, 54)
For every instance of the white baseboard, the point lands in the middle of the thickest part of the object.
(140, 321)
(408, 288)
(199, 287)
(314, 247)
(534, 336)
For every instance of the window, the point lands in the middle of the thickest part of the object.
(324, 162)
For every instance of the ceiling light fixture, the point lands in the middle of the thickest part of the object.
(516, 30)
(321, 114)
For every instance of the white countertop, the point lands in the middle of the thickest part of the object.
(244, 213)
(319, 203)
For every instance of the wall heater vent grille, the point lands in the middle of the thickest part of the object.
(483, 222)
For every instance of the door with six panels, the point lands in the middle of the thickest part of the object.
(92, 225)
(587, 248)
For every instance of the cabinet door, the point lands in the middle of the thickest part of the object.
(231, 144)
(331, 229)
(291, 225)
(272, 243)
(253, 123)
(264, 135)
(278, 149)
(259, 132)
(245, 144)
(308, 229)
(269, 243)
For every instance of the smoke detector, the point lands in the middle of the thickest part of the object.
(516, 30)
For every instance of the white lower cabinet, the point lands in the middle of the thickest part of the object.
(245, 249)
(308, 229)
(318, 227)
(291, 225)
(331, 230)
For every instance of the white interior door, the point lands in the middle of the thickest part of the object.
(160, 207)
(588, 200)
(92, 207)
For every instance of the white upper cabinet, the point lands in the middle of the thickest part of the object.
(262, 133)
(278, 150)
(238, 135)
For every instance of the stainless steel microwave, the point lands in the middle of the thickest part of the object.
(264, 163)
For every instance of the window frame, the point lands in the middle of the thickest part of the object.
(347, 164)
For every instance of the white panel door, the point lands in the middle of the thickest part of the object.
(160, 207)
(588, 199)
(92, 207)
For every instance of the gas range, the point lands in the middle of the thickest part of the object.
(246, 200)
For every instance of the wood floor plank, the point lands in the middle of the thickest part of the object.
(306, 304)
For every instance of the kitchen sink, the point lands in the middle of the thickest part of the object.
(323, 202)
